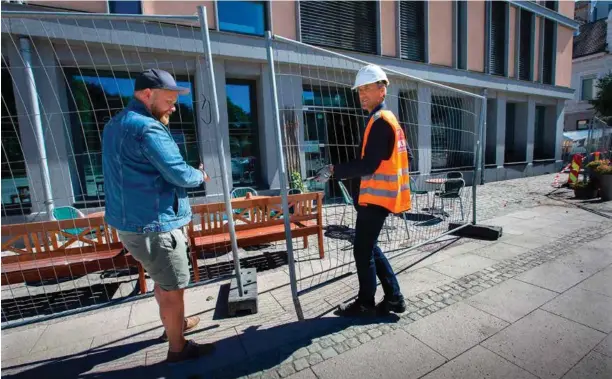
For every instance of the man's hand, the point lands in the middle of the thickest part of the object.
(324, 174)
(201, 168)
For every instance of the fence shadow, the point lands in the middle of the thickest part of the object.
(252, 351)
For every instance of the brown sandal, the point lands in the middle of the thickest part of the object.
(190, 323)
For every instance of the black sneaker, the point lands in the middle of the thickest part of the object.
(355, 309)
(387, 306)
(192, 350)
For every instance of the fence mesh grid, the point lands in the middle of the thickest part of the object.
(79, 71)
(83, 69)
(321, 122)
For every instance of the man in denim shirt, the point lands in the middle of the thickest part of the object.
(146, 181)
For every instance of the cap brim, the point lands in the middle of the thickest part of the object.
(180, 90)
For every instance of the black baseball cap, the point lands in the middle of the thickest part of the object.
(154, 78)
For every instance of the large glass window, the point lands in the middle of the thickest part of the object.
(125, 7)
(588, 89)
(333, 126)
(447, 133)
(243, 132)
(15, 188)
(98, 97)
(247, 17)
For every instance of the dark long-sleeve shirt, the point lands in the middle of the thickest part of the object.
(379, 148)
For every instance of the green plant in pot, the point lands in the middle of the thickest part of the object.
(297, 182)
(584, 190)
(604, 173)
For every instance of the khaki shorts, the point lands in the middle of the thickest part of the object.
(163, 255)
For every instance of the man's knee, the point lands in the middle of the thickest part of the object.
(169, 298)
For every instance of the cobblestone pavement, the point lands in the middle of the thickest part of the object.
(272, 344)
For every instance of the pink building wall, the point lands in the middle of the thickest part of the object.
(284, 19)
(180, 8)
(476, 35)
(388, 28)
(441, 33)
(565, 38)
(84, 6)
(536, 50)
(511, 42)
(566, 8)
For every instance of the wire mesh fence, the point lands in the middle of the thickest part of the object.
(321, 122)
(64, 75)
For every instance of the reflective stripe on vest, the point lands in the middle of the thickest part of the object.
(389, 186)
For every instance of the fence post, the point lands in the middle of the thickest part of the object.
(35, 119)
(283, 179)
(478, 150)
(220, 149)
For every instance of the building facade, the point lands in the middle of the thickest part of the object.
(517, 53)
(592, 59)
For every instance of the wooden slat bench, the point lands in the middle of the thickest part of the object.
(260, 221)
(44, 251)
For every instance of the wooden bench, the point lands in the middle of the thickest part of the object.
(44, 251)
(260, 220)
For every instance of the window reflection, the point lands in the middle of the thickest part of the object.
(246, 17)
(243, 129)
(15, 187)
(96, 99)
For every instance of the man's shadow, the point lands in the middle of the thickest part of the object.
(252, 351)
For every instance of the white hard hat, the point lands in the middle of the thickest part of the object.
(370, 74)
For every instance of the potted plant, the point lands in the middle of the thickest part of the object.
(584, 190)
(603, 172)
(296, 182)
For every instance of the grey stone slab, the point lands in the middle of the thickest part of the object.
(462, 265)
(544, 344)
(394, 355)
(422, 280)
(593, 366)
(555, 276)
(600, 283)
(304, 374)
(589, 258)
(71, 357)
(530, 240)
(511, 300)
(605, 346)
(455, 329)
(586, 307)
(479, 362)
(500, 251)
(84, 327)
(18, 342)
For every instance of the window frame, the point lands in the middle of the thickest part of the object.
(83, 199)
(111, 5)
(266, 19)
(593, 78)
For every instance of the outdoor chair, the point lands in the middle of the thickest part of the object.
(451, 191)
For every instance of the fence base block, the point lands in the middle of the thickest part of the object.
(248, 301)
(483, 232)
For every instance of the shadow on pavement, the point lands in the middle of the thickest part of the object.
(266, 348)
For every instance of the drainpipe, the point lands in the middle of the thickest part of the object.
(32, 98)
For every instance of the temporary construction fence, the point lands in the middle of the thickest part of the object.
(66, 74)
(319, 121)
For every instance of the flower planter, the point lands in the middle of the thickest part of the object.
(585, 193)
(605, 185)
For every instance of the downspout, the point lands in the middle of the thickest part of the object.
(35, 119)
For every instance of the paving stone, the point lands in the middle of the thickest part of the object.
(544, 344)
(353, 342)
(287, 370)
(314, 348)
(586, 307)
(593, 366)
(328, 353)
(341, 347)
(301, 364)
(301, 353)
(338, 338)
(363, 338)
(375, 333)
(315, 359)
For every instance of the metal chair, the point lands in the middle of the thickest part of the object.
(348, 201)
(452, 190)
(68, 213)
(416, 193)
(242, 192)
(454, 175)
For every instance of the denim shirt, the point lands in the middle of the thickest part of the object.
(145, 176)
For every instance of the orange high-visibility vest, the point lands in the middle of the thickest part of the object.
(389, 186)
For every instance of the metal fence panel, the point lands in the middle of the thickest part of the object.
(319, 121)
(64, 75)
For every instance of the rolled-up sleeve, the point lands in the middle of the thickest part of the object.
(163, 153)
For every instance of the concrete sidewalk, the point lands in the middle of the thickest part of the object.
(536, 303)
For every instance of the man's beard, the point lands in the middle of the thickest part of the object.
(164, 118)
